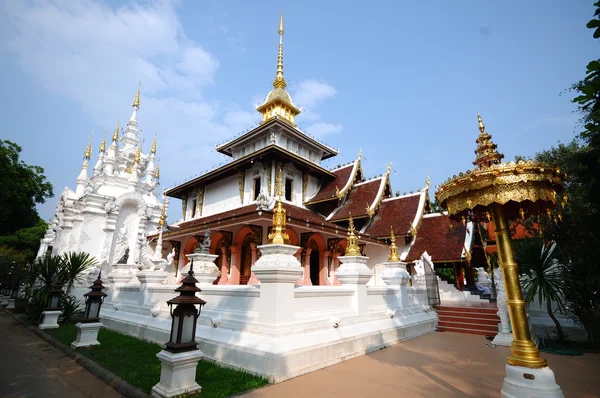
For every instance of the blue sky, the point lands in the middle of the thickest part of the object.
(400, 79)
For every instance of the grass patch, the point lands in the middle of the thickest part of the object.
(135, 361)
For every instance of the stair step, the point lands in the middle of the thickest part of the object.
(476, 315)
(468, 331)
(467, 325)
(479, 321)
(491, 310)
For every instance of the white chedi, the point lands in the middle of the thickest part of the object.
(110, 214)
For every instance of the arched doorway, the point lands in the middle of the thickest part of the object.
(315, 263)
(246, 257)
(190, 245)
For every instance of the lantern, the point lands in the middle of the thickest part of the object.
(184, 315)
(53, 299)
(93, 301)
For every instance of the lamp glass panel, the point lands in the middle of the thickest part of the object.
(94, 309)
(187, 334)
(175, 329)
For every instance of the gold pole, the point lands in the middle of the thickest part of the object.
(524, 352)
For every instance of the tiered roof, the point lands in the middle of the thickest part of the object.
(345, 176)
(443, 239)
(360, 199)
(403, 213)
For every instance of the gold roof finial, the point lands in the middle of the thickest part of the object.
(137, 156)
(428, 182)
(136, 101)
(279, 81)
(88, 149)
(103, 143)
(393, 257)
(278, 236)
(163, 217)
(360, 154)
(352, 249)
(487, 153)
(153, 149)
(116, 132)
(157, 172)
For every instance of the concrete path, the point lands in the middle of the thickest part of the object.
(436, 365)
(31, 367)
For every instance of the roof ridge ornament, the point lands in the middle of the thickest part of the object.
(352, 249)
(487, 153)
(394, 256)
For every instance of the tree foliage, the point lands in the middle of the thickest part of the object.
(22, 186)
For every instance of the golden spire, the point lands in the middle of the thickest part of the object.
(393, 257)
(278, 236)
(163, 217)
(103, 143)
(136, 101)
(352, 249)
(88, 150)
(157, 172)
(116, 133)
(279, 81)
(487, 154)
(153, 149)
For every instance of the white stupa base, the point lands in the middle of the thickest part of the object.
(503, 339)
(87, 334)
(11, 304)
(50, 319)
(523, 382)
(4, 300)
(177, 374)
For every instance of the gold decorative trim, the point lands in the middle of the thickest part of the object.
(200, 201)
(184, 205)
(304, 185)
(267, 169)
(241, 182)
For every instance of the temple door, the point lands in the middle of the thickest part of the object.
(315, 263)
(246, 263)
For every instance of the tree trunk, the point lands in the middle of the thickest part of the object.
(561, 335)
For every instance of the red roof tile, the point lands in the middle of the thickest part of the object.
(359, 198)
(327, 192)
(440, 242)
(399, 212)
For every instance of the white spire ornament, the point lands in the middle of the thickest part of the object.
(100, 163)
(83, 177)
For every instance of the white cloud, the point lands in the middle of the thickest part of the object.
(310, 92)
(94, 54)
(321, 129)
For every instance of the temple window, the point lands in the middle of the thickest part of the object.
(289, 183)
(256, 188)
(194, 203)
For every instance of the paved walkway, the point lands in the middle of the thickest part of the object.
(31, 367)
(436, 365)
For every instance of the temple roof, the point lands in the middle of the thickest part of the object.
(401, 212)
(442, 243)
(361, 199)
(345, 177)
(231, 168)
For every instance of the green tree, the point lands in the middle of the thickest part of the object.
(22, 186)
(25, 241)
(541, 275)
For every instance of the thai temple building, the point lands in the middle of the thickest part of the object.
(235, 202)
(113, 208)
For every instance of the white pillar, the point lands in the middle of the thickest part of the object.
(205, 269)
(50, 319)
(177, 374)
(395, 274)
(87, 334)
(277, 270)
(354, 272)
(523, 382)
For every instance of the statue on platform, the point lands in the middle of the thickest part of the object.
(483, 277)
(501, 301)
(205, 245)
